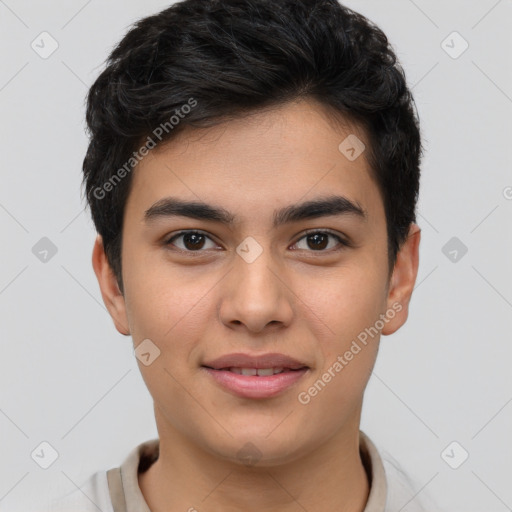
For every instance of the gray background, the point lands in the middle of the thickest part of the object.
(68, 378)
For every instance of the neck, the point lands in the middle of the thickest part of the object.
(187, 478)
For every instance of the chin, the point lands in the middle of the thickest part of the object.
(256, 448)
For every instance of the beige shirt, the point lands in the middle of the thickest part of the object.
(117, 490)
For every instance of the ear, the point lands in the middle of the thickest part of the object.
(112, 296)
(402, 280)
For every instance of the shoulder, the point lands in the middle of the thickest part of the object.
(105, 490)
(91, 496)
(403, 491)
(392, 489)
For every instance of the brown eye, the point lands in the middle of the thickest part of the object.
(191, 241)
(319, 241)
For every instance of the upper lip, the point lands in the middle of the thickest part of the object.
(240, 360)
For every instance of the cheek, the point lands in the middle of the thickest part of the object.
(159, 298)
(350, 304)
(349, 350)
(347, 301)
(171, 311)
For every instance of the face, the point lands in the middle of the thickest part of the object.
(287, 257)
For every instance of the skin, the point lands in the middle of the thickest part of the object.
(295, 299)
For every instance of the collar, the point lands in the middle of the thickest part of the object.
(126, 495)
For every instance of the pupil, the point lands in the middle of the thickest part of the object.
(317, 243)
(193, 240)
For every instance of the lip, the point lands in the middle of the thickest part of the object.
(248, 386)
(241, 360)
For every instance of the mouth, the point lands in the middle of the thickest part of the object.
(247, 364)
(249, 376)
(260, 372)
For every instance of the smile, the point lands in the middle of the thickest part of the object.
(257, 371)
(255, 382)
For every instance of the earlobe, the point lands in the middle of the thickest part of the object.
(402, 281)
(112, 296)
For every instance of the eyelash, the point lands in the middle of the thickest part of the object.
(343, 243)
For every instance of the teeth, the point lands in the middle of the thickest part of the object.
(266, 371)
(263, 372)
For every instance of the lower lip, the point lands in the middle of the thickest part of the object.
(253, 386)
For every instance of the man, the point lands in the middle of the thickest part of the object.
(253, 172)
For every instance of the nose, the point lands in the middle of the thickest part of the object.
(255, 297)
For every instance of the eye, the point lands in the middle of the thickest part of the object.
(318, 241)
(191, 241)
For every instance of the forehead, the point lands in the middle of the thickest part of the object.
(259, 162)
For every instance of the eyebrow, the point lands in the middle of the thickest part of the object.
(322, 207)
